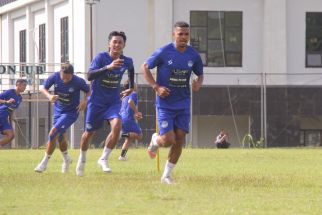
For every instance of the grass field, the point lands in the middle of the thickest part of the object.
(208, 181)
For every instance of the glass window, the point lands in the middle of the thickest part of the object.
(217, 35)
(314, 39)
(42, 43)
(64, 39)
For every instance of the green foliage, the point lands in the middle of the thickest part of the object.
(209, 181)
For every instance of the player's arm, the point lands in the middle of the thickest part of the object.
(130, 73)
(160, 90)
(51, 98)
(83, 103)
(9, 101)
(94, 73)
(196, 83)
(137, 113)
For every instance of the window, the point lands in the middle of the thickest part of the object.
(217, 36)
(22, 49)
(64, 39)
(42, 43)
(313, 39)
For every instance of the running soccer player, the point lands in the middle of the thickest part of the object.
(106, 72)
(9, 101)
(66, 97)
(130, 114)
(174, 62)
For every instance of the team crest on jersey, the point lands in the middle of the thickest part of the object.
(164, 124)
(63, 126)
(170, 62)
(71, 90)
(190, 63)
(88, 126)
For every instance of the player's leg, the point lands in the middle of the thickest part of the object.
(112, 113)
(173, 156)
(8, 135)
(133, 132)
(7, 130)
(63, 146)
(94, 120)
(65, 121)
(166, 136)
(50, 148)
(181, 121)
(110, 143)
(125, 147)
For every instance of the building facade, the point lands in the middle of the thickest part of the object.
(262, 58)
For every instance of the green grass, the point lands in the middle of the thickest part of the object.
(209, 181)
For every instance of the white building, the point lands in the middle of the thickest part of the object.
(257, 43)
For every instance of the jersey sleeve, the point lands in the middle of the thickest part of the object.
(83, 85)
(50, 81)
(5, 95)
(198, 65)
(134, 97)
(155, 59)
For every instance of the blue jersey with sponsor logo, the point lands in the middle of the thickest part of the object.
(173, 71)
(106, 87)
(68, 93)
(6, 95)
(127, 113)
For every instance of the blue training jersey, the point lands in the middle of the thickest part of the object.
(68, 93)
(127, 113)
(6, 95)
(173, 71)
(106, 86)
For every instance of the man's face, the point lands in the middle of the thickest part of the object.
(21, 87)
(181, 36)
(116, 44)
(65, 77)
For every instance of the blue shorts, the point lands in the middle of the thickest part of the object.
(131, 126)
(96, 115)
(63, 121)
(4, 122)
(170, 119)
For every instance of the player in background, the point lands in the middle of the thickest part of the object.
(174, 62)
(106, 72)
(66, 96)
(130, 114)
(9, 101)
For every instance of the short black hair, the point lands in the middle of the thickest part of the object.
(21, 81)
(117, 33)
(181, 24)
(67, 68)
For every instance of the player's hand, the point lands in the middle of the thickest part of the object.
(53, 98)
(162, 91)
(82, 105)
(11, 100)
(126, 93)
(195, 85)
(115, 64)
(138, 115)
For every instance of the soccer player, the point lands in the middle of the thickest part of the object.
(130, 114)
(174, 63)
(106, 72)
(66, 96)
(9, 101)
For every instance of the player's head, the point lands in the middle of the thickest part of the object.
(181, 34)
(21, 85)
(126, 85)
(66, 72)
(116, 42)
